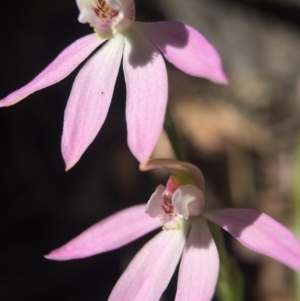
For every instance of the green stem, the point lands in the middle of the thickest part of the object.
(174, 137)
(230, 282)
(296, 207)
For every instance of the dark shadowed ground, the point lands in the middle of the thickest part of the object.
(241, 136)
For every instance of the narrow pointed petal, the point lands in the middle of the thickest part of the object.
(199, 267)
(147, 92)
(150, 271)
(90, 99)
(259, 232)
(111, 233)
(185, 48)
(61, 67)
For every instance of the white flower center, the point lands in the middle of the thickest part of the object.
(107, 16)
(170, 209)
(169, 218)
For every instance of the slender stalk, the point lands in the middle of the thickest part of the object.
(172, 133)
(230, 285)
(296, 206)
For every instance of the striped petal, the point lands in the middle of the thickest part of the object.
(61, 67)
(89, 101)
(259, 232)
(147, 93)
(185, 48)
(199, 267)
(150, 271)
(111, 233)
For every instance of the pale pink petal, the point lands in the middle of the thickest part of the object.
(150, 271)
(188, 200)
(154, 205)
(199, 267)
(186, 48)
(62, 66)
(147, 93)
(90, 99)
(261, 233)
(111, 233)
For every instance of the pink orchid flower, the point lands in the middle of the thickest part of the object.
(181, 209)
(140, 45)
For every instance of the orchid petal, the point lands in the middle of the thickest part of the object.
(111, 233)
(150, 271)
(147, 92)
(188, 200)
(154, 205)
(62, 66)
(259, 232)
(90, 99)
(186, 48)
(199, 267)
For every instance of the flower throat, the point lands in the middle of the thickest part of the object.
(104, 11)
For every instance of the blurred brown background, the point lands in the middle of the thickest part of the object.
(242, 136)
